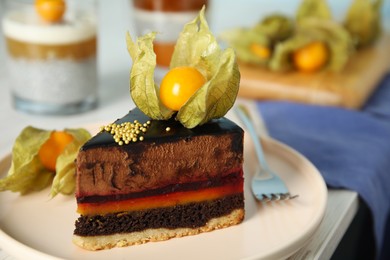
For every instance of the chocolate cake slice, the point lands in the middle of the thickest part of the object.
(167, 182)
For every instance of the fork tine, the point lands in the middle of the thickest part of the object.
(290, 197)
(275, 197)
(285, 196)
(264, 198)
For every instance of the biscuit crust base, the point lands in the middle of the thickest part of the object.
(153, 235)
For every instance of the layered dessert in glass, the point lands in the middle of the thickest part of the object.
(167, 17)
(52, 64)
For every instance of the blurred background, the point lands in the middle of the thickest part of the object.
(117, 17)
(114, 63)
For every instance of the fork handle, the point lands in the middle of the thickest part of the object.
(252, 132)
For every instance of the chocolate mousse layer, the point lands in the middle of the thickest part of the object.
(163, 158)
(191, 215)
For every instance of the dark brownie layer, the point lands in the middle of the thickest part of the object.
(190, 215)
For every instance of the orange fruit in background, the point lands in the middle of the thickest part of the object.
(50, 10)
(311, 57)
(53, 147)
(178, 85)
(261, 51)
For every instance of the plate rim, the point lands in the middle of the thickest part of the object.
(285, 253)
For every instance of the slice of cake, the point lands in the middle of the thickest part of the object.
(169, 181)
(173, 166)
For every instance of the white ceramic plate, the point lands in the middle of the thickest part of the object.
(35, 227)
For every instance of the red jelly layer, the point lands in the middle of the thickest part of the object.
(160, 201)
(233, 176)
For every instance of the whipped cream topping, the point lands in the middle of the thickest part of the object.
(28, 27)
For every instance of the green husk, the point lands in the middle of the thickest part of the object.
(335, 36)
(143, 90)
(64, 180)
(268, 32)
(216, 97)
(196, 47)
(363, 21)
(313, 22)
(241, 40)
(276, 27)
(317, 9)
(281, 60)
(27, 173)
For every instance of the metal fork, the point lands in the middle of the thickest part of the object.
(266, 185)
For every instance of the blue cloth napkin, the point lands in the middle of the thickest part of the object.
(350, 148)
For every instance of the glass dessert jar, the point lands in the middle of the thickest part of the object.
(167, 18)
(51, 56)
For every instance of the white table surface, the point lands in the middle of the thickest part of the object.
(114, 65)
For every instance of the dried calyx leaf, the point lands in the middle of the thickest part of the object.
(363, 21)
(143, 89)
(276, 27)
(28, 174)
(216, 97)
(196, 47)
(334, 35)
(64, 180)
(318, 9)
(255, 45)
(313, 23)
(243, 40)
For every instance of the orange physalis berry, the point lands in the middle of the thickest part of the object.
(311, 57)
(53, 147)
(261, 51)
(178, 85)
(50, 10)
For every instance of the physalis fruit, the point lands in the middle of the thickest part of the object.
(178, 85)
(53, 147)
(195, 48)
(50, 10)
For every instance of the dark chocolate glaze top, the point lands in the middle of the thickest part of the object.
(157, 130)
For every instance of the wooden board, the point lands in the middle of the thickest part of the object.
(349, 88)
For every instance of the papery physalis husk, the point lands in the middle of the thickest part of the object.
(196, 47)
(27, 173)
